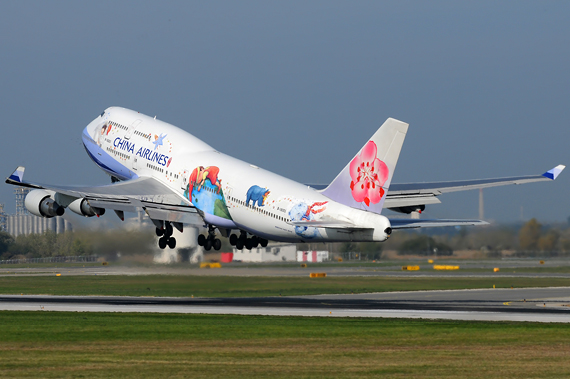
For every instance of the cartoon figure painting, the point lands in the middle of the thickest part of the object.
(257, 194)
(200, 174)
(204, 190)
(105, 129)
(368, 175)
(158, 140)
(304, 212)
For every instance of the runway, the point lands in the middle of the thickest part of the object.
(530, 304)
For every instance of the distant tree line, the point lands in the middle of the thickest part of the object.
(108, 244)
(530, 239)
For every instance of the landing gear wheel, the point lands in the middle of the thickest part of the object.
(248, 244)
(239, 245)
(254, 241)
(172, 242)
(208, 245)
(233, 239)
(263, 242)
(217, 244)
(159, 232)
(162, 242)
(201, 240)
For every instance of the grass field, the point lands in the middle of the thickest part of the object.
(232, 286)
(79, 345)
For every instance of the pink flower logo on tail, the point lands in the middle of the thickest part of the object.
(368, 174)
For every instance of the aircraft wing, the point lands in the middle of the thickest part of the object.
(159, 201)
(416, 194)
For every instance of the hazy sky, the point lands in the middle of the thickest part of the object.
(298, 87)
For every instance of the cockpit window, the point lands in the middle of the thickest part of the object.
(103, 114)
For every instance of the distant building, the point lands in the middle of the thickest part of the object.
(271, 253)
(312, 256)
(17, 225)
(3, 225)
(20, 194)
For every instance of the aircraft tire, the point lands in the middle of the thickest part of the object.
(233, 239)
(248, 244)
(159, 232)
(208, 245)
(217, 244)
(201, 240)
(162, 242)
(263, 242)
(172, 242)
(254, 242)
(239, 245)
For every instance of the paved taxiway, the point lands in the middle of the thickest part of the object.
(531, 304)
(508, 268)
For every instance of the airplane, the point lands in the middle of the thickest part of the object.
(178, 179)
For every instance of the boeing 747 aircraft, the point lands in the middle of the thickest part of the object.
(178, 179)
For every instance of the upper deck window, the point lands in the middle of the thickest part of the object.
(103, 114)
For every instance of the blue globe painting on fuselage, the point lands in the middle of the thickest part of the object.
(205, 195)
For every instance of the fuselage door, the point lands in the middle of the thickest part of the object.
(184, 179)
(132, 128)
(134, 162)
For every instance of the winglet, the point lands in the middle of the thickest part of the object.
(17, 175)
(553, 174)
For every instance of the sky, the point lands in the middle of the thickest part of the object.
(298, 87)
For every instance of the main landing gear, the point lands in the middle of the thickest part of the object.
(249, 243)
(211, 241)
(165, 235)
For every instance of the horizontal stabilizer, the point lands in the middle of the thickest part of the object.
(400, 223)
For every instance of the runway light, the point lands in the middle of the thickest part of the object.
(541, 262)
(57, 274)
(304, 265)
(318, 275)
(430, 261)
(496, 269)
(410, 268)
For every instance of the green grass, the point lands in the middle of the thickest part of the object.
(95, 345)
(236, 286)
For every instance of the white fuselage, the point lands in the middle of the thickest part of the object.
(232, 194)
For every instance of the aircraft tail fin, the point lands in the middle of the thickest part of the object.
(364, 182)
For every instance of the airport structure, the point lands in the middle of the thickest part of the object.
(312, 256)
(279, 252)
(2, 219)
(24, 223)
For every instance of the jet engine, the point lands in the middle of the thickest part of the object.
(82, 208)
(40, 203)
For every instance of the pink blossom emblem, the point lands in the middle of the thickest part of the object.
(368, 175)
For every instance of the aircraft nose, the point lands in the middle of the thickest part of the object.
(91, 129)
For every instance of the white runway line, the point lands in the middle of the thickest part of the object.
(306, 312)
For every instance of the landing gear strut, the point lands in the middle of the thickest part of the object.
(210, 241)
(165, 234)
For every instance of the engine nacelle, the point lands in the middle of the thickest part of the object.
(40, 203)
(82, 208)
